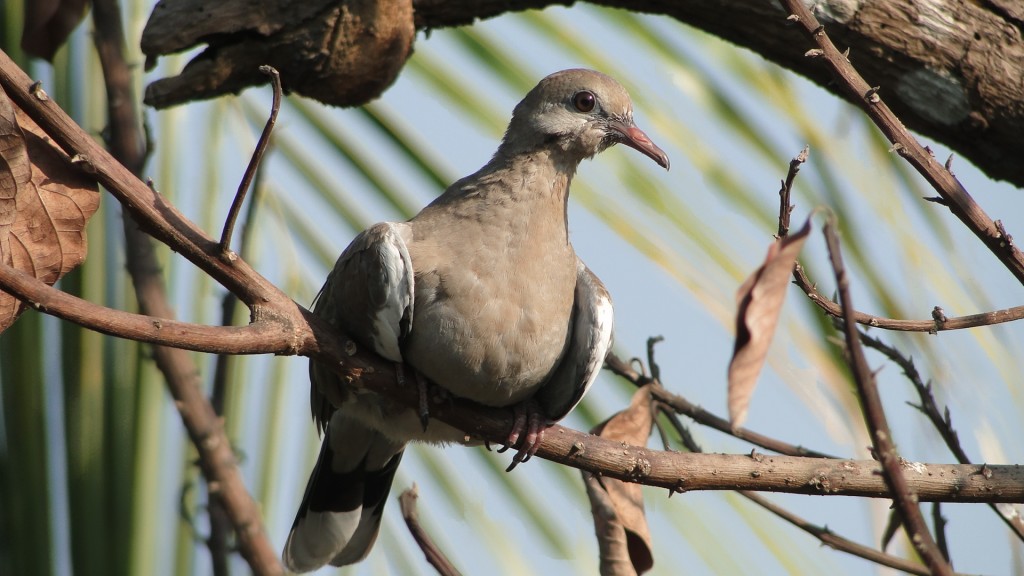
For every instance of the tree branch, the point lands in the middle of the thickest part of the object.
(268, 336)
(683, 406)
(933, 326)
(903, 492)
(953, 194)
(952, 69)
(159, 217)
(939, 321)
(227, 492)
(943, 423)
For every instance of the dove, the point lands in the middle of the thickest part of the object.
(481, 295)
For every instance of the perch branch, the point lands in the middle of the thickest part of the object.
(261, 337)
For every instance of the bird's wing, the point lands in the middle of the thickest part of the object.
(589, 341)
(369, 297)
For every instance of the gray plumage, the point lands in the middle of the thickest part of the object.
(481, 293)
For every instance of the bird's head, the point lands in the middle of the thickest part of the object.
(580, 112)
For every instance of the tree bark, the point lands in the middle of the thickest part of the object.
(952, 70)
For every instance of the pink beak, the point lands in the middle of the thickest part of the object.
(635, 138)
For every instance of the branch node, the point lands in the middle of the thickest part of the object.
(84, 163)
(36, 89)
(814, 53)
(1005, 240)
(578, 448)
(679, 488)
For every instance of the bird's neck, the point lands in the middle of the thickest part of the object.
(547, 160)
(531, 187)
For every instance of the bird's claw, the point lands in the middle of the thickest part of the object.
(527, 432)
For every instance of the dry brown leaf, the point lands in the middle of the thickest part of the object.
(48, 24)
(45, 203)
(618, 507)
(759, 302)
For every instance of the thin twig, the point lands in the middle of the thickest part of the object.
(933, 326)
(786, 191)
(833, 540)
(435, 556)
(683, 406)
(942, 421)
(939, 521)
(939, 321)
(878, 427)
(254, 162)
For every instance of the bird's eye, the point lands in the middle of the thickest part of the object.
(584, 101)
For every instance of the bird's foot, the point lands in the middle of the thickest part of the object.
(422, 387)
(527, 432)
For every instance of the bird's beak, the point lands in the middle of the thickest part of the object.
(634, 137)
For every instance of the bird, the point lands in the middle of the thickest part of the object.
(481, 295)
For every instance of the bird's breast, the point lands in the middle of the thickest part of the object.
(493, 307)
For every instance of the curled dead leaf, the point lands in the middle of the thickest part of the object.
(618, 507)
(759, 302)
(45, 203)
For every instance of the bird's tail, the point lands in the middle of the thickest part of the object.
(340, 513)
